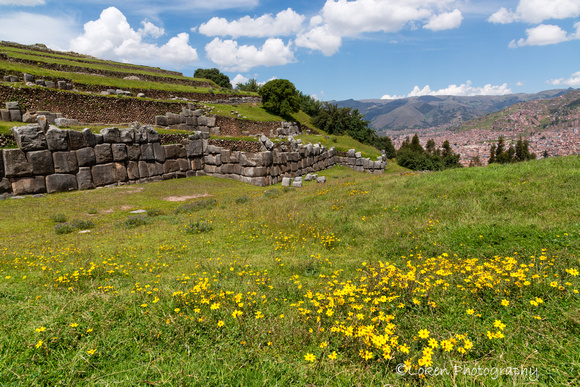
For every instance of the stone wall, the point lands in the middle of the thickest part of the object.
(66, 160)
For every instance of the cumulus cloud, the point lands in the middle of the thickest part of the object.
(286, 22)
(342, 18)
(573, 81)
(22, 3)
(55, 32)
(112, 37)
(464, 90)
(320, 38)
(239, 79)
(233, 57)
(545, 34)
(536, 11)
(445, 21)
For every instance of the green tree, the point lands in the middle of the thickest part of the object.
(214, 75)
(251, 85)
(280, 97)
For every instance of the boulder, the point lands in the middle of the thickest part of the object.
(29, 185)
(29, 118)
(5, 114)
(41, 162)
(15, 163)
(43, 122)
(30, 138)
(103, 155)
(65, 162)
(61, 122)
(5, 186)
(121, 172)
(127, 135)
(297, 183)
(57, 139)
(86, 157)
(321, 179)
(85, 179)
(133, 170)
(61, 183)
(286, 181)
(89, 137)
(158, 152)
(111, 135)
(119, 152)
(77, 140)
(147, 152)
(104, 174)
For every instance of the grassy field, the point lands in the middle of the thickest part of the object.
(473, 271)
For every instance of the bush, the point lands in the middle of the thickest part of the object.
(198, 227)
(58, 218)
(196, 206)
(80, 224)
(64, 228)
(135, 221)
(242, 199)
(151, 212)
(280, 97)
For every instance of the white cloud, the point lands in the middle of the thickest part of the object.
(52, 31)
(342, 18)
(445, 21)
(520, 83)
(233, 57)
(536, 11)
(111, 37)
(150, 29)
(573, 81)
(285, 23)
(387, 96)
(22, 3)
(543, 35)
(239, 79)
(465, 90)
(320, 38)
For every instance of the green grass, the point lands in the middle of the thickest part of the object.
(341, 143)
(435, 253)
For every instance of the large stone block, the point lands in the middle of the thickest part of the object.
(194, 148)
(119, 152)
(77, 140)
(65, 162)
(5, 185)
(29, 185)
(15, 163)
(121, 172)
(158, 152)
(147, 152)
(133, 170)
(111, 135)
(61, 183)
(143, 170)
(134, 152)
(152, 169)
(86, 157)
(170, 166)
(173, 151)
(103, 154)
(30, 138)
(57, 139)
(5, 114)
(104, 174)
(127, 135)
(85, 179)
(1, 165)
(152, 135)
(160, 120)
(41, 162)
(89, 137)
(140, 135)
(15, 115)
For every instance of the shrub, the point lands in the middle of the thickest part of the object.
(135, 221)
(272, 193)
(80, 224)
(58, 218)
(196, 206)
(198, 227)
(64, 228)
(151, 212)
(242, 199)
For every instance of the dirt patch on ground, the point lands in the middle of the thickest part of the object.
(184, 198)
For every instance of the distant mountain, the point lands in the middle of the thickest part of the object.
(436, 111)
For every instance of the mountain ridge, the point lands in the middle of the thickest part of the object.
(436, 111)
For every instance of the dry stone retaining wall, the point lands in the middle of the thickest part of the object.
(66, 160)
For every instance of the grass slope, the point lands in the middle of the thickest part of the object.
(333, 284)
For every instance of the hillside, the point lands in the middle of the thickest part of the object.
(425, 112)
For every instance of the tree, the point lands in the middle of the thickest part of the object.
(214, 75)
(251, 85)
(280, 97)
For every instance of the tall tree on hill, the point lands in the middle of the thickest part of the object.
(214, 75)
(412, 155)
(280, 97)
(251, 85)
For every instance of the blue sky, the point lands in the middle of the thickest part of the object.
(333, 50)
